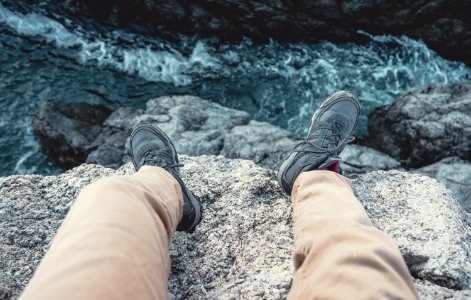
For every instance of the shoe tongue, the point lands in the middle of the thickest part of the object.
(319, 133)
(161, 155)
(322, 131)
(318, 137)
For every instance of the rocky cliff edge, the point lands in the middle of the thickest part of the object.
(242, 248)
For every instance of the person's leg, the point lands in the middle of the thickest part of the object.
(114, 242)
(339, 254)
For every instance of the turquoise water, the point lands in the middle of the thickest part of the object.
(46, 57)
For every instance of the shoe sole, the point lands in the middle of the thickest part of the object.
(193, 201)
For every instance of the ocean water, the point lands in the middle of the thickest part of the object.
(47, 57)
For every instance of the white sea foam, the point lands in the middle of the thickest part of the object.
(152, 65)
(279, 83)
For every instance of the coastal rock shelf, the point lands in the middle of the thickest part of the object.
(199, 127)
(196, 127)
(435, 245)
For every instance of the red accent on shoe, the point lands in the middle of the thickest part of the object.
(333, 166)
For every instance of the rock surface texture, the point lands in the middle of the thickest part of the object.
(425, 126)
(455, 174)
(242, 249)
(445, 26)
(357, 159)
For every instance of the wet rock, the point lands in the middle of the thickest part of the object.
(66, 131)
(455, 174)
(425, 125)
(444, 26)
(251, 248)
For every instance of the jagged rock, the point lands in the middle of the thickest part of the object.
(109, 146)
(197, 127)
(247, 226)
(421, 215)
(263, 143)
(66, 131)
(430, 291)
(455, 174)
(360, 159)
(425, 125)
(444, 25)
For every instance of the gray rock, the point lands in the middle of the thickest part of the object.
(109, 147)
(66, 131)
(421, 215)
(430, 291)
(358, 159)
(263, 143)
(444, 25)
(247, 227)
(425, 125)
(121, 118)
(455, 174)
(198, 127)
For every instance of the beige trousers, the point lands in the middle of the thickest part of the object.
(114, 243)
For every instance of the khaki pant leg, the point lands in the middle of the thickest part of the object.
(114, 242)
(339, 254)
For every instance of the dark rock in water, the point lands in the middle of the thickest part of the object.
(109, 148)
(66, 131)
(255, 243)
(444, 26)
(109, 145)
(425, 126)
(455, 174)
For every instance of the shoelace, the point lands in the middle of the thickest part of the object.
(156, 157)
(313, 148)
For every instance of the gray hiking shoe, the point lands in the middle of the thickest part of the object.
(151, 146)
(332, 127)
